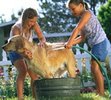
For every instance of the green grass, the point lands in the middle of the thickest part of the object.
(85, 96)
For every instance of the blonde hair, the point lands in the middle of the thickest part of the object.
(28, 13)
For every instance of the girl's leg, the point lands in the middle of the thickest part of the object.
(22, 70)
(100, 52)
(34, 77)
(99, 80)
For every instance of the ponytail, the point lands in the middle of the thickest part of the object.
(87, 6)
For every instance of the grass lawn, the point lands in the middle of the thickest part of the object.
(84, 96)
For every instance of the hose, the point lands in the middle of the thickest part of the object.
(101, 66)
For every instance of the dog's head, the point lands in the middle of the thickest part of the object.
(19, 44)
(15, 43)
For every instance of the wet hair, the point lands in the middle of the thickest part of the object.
(77, 2)
(28, 13)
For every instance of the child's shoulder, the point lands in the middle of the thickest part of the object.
(87, 14)
(90, 12)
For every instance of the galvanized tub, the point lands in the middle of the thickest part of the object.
(47, 89)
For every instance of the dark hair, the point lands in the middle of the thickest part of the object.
(29, 13)
(77, 2)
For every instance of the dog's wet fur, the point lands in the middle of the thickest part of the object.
(46, 61)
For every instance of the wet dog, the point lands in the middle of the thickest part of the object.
(47, 61)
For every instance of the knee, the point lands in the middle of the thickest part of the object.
(94, 66)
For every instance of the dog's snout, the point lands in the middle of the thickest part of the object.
(3, 47)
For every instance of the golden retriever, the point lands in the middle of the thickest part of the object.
(46, 61)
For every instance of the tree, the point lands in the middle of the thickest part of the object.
(14, 17)
(55, 16)
(104, 16)
(94, 3)
(2, 20)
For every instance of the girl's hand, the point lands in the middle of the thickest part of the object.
(42, 42)
(67, 46)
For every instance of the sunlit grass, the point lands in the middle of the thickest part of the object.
(83, 96)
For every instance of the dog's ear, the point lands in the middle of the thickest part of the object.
(19, 43)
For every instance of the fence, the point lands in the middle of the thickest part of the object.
(83, 62)
(8, 77)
